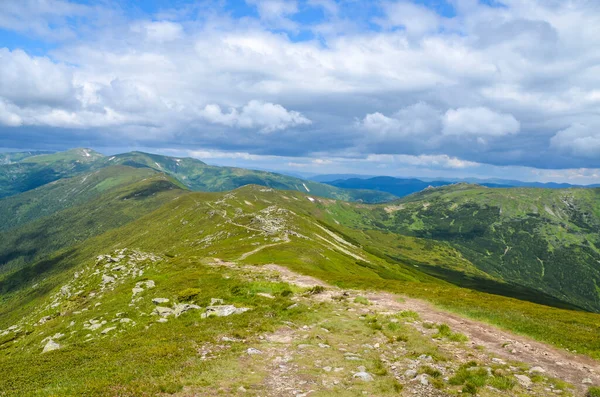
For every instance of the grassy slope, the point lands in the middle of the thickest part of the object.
(31, 172)
(139, 192)
(68, 192)
(199, 225)
(541, 239)
(199, 176)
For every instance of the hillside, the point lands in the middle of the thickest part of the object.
(137, 310)
(31, 172)
(546, 240)
(25, 171)
(123, 195)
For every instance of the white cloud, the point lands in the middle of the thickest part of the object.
(25, 79)
(159, 31)
(264, 116)
(479, 121)
(416, 19)
(417, 121)
(427, 161)
(8, 117)
(579, 139)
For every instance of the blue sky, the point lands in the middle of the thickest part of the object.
(502, 88)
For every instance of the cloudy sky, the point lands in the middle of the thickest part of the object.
(500, 88)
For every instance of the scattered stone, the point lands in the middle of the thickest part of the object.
(324, 346)
(158, 301)
(253, 351)
(50, 346)
(107, 279)
(162, 320)
(363, 376)
(181, 308)
(107, 330)
(327, 369)
(537, 370)
(411, 373)
(163, 311)
(265, 295)
(524, 380)
(295, 305)
(423, 379)
(223, 311)
(499, 361)
(587, 381)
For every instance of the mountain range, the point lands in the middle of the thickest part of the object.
(140, 274)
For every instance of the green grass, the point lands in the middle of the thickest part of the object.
(444, 331)
(593, 392)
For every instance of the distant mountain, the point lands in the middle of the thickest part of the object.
(404, 186)
(27, 170)
(396, 186)
(336, 177)
(31, 172)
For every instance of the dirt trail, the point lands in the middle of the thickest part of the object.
(557, 363)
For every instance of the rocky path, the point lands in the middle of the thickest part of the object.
(579, 370)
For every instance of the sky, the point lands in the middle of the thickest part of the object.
(450, 88)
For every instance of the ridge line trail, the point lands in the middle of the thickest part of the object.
(572, 368)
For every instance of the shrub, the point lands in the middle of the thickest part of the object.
(188, 294)
(593, 391)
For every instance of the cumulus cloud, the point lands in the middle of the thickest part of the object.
(159, 31)
(26, 79)
(502, 79)
(479, 121)
(416, 19)
(264, 116)
(579, 139)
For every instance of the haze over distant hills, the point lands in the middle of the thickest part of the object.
(405, 186)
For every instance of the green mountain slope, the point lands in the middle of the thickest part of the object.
(30, 172)
(199, 176)
(67, 192)
(138, 193)
(542, 239)
(93, 302)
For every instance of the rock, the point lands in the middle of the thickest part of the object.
(295, 305)
(498, 361)
(44, 320)
(265, 295)
(50, 346)
(324, 346)
(158, 301)
(364, 376)
(242, 389)
(181, 308)
(162, 320)
(125, 320)
(362, 368)
(587, 381)
(537, 370)
(411, 373)
(136, 290)
(327, 369)
(107, 279)
(423, 379)
(107, 330)
(216, 301)
(524, 380)
(223, 311)
(163, 311)
(253, 351)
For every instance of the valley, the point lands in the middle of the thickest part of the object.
(127, 277)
